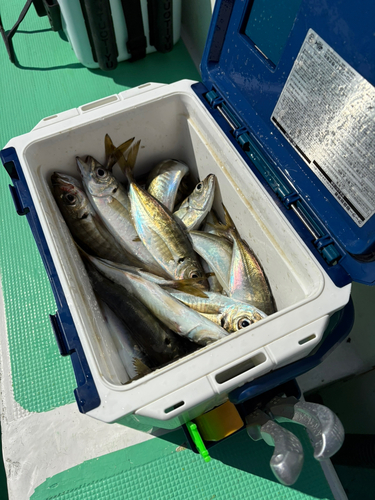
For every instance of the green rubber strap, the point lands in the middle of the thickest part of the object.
(198, 441)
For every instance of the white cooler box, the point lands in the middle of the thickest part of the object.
(249, 154)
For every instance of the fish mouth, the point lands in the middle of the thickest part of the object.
(64, 182)
(209, 181)
(83, 165)
(206, 336)
(58, 179)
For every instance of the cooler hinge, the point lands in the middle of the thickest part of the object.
(289, 197)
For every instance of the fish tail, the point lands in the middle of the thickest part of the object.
(108, 145)
(140, 367)
(226, 230)
(127, 164)
(116, 155)
(229, 224)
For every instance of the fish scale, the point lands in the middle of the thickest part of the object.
(156, 340)
(152, 239)
(111, 202)
(171, 312)
(230, 313)
(86, 227)
(248, 282)
(216, 251)
(196, 206)
(164, 181)
(162, 235)
(153, 212)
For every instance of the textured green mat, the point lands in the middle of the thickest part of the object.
(49, 80)
(164, 470)
(358, 482)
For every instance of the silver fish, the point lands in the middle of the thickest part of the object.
(159, 231)
(212, 225)
(217, 252)
(195, 207)
(133, 359)
(208, 227)
(164, 181)
(248, 281)
(170, 311)
(83, 222)
(194, 286)
(213, 282)
(157, 341)
(111, 202)
(231, 314)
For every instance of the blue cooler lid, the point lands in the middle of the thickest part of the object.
(296, 82)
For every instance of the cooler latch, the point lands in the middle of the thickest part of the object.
(268, 169)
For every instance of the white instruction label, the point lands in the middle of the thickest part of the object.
(327, 113)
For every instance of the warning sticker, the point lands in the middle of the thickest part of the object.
(327, 113)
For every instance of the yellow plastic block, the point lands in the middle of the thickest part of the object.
(219, 422)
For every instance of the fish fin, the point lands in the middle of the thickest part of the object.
(127, 163)
(257, 316)
(125, 145)
(226, 230)
(208, 275)
(220, 230)
(82, 251)
(108, 146)
(215, 318)
(132, 156)
(141, 368)
(117, 154)
(205, 307)
(190, 289)
(228, 220)
(179, 284)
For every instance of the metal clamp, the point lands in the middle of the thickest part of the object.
(323, 426)
(287, 459)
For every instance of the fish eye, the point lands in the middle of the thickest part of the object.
(100, 172)
(195, 274)
(243, 323)
(70, 198)
(199, 186)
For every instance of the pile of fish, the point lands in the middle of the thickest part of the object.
(168, 275)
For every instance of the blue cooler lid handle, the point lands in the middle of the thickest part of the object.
(288, 196)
